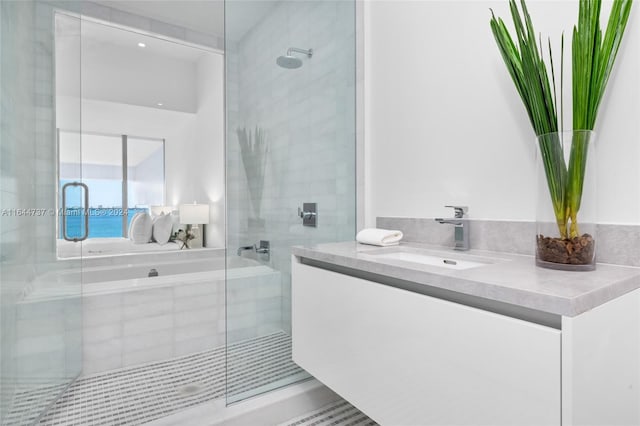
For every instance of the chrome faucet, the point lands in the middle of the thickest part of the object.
(264, 248)
(243, 248)
(461, 230)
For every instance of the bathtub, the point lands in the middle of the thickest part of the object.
(129, 318)
(135, 276)
(109, 246)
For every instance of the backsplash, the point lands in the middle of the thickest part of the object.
(617, 244)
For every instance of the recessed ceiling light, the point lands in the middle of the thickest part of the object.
(142, 44)
(160, 104)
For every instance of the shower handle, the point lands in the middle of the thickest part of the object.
(84, 211)
(309, 214)
(305, 215)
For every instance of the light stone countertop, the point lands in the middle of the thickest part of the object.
(508, 278)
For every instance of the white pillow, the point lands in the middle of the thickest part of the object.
(162, 227)
(141, 228)
(132, 221)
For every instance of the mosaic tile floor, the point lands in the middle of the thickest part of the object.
(29, 403)
(136, 395)
(339, 413)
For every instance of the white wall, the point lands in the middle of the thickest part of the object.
(177, 128)
(444, 122)
(209, 138)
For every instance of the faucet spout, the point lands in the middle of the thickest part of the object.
(243, 248)
(448, 221)
(461, 230)
(264, 249)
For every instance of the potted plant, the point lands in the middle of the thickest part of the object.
(565, 158)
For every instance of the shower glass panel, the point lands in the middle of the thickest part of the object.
(41, 308)
(290, 108)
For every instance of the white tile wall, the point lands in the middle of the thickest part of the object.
(40, 341)
(140, 326)
(309, 118)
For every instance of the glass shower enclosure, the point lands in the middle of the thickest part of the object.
(289, 152)
(41, 309)
(290, 165)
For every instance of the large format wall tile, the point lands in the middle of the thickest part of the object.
(137, 326)
(308, 116)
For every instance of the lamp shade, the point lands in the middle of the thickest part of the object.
(194, 214)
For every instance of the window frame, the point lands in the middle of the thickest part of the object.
(124, 138)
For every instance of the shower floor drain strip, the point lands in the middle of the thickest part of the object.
(137, 395)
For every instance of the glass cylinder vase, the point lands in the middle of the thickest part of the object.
(566, 205)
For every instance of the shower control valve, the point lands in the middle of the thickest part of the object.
(305, 215)
(309, 214)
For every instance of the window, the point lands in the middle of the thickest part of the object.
(123, 174)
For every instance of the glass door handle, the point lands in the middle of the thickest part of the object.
(84, 211)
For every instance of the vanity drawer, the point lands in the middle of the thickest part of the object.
(409, 359)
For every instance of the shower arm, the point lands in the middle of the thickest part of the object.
(309, 52)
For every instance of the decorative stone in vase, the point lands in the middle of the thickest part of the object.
(566, 207)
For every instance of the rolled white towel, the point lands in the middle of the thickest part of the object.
(379, 237)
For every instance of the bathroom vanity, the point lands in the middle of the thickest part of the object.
(413, 335)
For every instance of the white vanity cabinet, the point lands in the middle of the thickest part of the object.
(406, 358)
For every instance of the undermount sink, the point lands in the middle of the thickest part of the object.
(448, 262)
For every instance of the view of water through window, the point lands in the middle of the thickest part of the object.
(101, 168)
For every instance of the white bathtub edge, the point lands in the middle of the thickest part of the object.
(264, 410)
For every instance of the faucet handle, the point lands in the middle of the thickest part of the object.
(459, 211)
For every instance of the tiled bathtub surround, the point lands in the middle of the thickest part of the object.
(182, 314)
(133, 327)
(616, 244)
(129, 318)
(215, 256)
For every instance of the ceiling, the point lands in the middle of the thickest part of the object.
(116, 69)
(95, 34)
(205, 16)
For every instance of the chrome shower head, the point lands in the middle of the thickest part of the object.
(291, 62)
